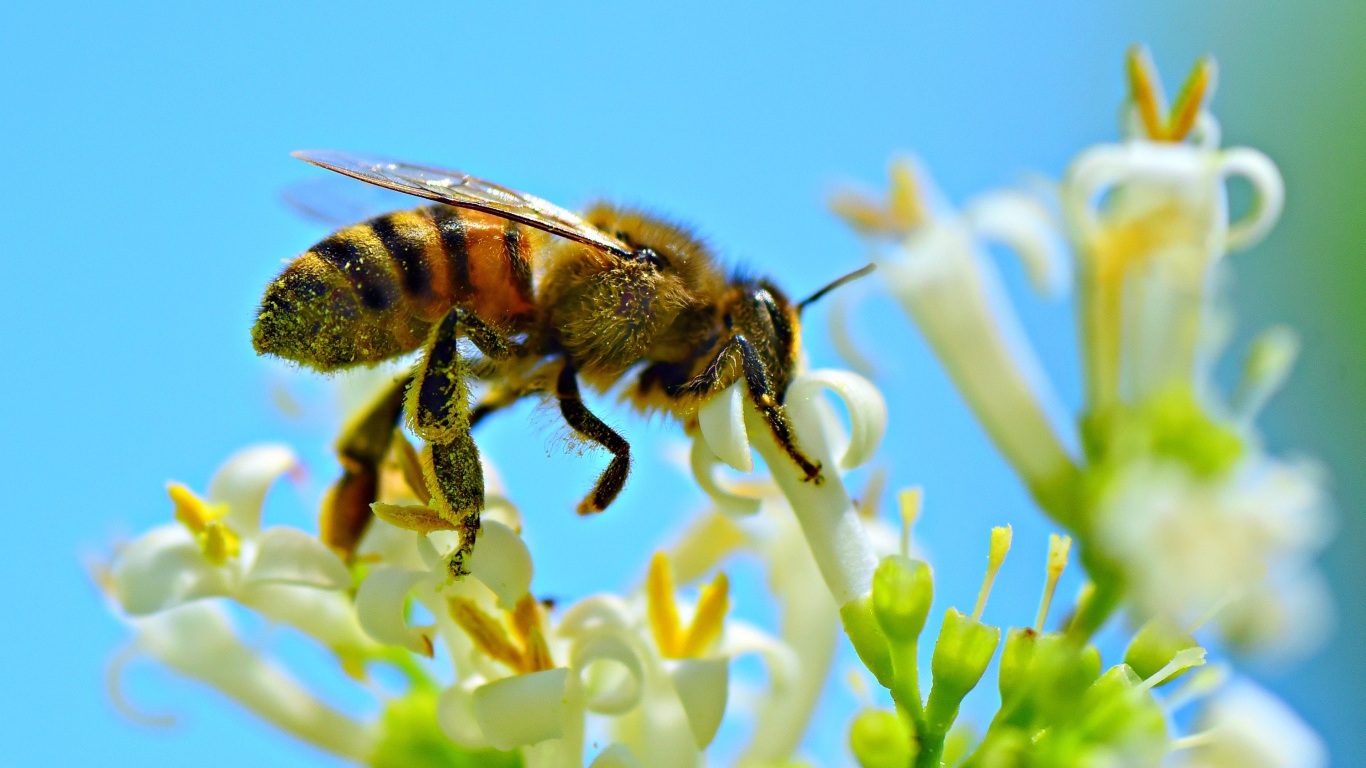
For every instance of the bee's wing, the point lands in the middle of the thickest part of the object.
(464, 191)
(337, 202)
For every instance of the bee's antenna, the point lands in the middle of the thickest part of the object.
(849, 278)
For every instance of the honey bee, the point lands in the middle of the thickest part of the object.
(548, 299)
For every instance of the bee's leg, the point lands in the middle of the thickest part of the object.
(591, 427)
(439, 413)
(360, 449)
(765, 399)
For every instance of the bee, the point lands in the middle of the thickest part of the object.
(548, 299)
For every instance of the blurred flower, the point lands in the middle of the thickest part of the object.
(1246, 727)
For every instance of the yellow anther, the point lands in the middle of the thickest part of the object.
(861, 212)
(411, 466)
(905, 208)
(673, 641)
(909, 501)
(1145, 90)
(193, 512)
(486, 632)
(1058, 548)
(659, 603)
(870, 501)
(1000, 545)
(707, 622)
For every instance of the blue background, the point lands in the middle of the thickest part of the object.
(144, 145)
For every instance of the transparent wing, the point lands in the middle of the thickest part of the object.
(464, 191)
(337, 202)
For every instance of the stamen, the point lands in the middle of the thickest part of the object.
(193, 512)
(219, 542)
(659, 600)
(1058, 548)
(1197, 685)
(1193, 740)
(1184, 659)
(1000, 545)
(537, 657)
(903, 197)
(412, 517)
(526, 616)
(709, 618)
(1145, 90)
(909, 500)
(1192, 97)
(870, 501)
(486, 633)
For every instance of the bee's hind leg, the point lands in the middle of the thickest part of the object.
(360, 450)
(439, 413)
(583, 421)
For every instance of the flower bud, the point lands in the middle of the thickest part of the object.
(902, 591)
(861, 625)
(1016, 657)
(961, 655)
(881, 739)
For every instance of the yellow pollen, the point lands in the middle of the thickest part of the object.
(489, 636)
(1000, 545)
(909, 501)
(193, 512)
(673, 641)
(1058, 548)
(219, 542)
(1145, 90)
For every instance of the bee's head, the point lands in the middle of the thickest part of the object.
(610, 310)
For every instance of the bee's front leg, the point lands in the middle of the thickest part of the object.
(439, 413)
(360, 449)
(591, 427)
(765, 399)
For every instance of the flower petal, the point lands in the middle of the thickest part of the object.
(455, 714)
(616, 755)
(502, 561)
(380, 603)
(722, 420)
(867, 410)
(242, 481)
(325, 615)
(1019, 221)
(703, 463)
(289, 556)
(702, 686)
(610, 670)
(164, 568)
(522, 710)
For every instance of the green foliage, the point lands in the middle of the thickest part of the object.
(411, 739)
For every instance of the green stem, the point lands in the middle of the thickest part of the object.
(905, 686)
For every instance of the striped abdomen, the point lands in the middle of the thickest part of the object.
(371, 291)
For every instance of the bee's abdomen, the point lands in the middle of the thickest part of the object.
(371, 291)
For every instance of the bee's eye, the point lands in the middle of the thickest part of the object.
(652, 257)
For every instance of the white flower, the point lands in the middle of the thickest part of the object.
(937, 269)
(1244, 726)
(1238, 544)
(218, 549)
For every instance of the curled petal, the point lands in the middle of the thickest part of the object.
(703, 463)
(522, 710)
(1020, 222)
(610, 670)
(722, 420)
(616, 755)
(596, 613)
(455, 714)
(702, 686)
(867, 410)
(380, 607)
(783, 666)
(290, 556)
(1267, 200)
(164, 568)
(502, 561)
(243, 480)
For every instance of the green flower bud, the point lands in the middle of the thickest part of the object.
(961, 655)
(902, 591)
(1155, 645)
(1016, 657)
(881, 739)
(861, 625)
